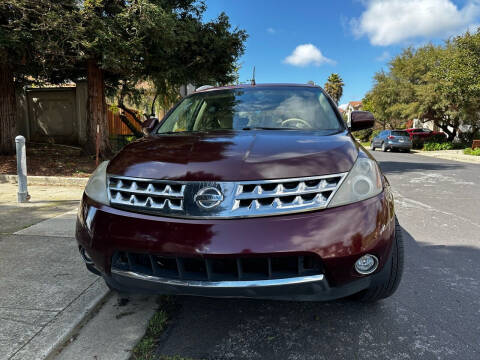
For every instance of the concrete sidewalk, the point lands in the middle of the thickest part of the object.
(45, 290)
(456, 155)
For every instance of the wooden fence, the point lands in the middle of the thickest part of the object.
(117, 127)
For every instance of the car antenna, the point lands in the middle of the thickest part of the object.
(252, 82)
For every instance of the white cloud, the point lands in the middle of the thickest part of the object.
(307, 54)
(388, 22)
(271, 30)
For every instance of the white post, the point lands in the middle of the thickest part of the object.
(22, 194)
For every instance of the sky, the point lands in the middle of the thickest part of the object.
(296, 41)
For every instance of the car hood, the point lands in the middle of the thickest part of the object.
(236, 155)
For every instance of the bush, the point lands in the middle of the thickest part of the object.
(363, 135)
(374, 133)
(470, 151)
(435, 146)
(437, 138)
(467, 137)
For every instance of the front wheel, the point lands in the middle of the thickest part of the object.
(390, 284)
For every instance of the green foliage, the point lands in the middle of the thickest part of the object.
(363, 135)
(374, 134)
(470, 151)
(468, 137)
(434, 146)
(166, 43)
(438, 83)
(437, 138)
(34, 39)
(145, 349)
(334, 87)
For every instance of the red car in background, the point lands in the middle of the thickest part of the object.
(423, 133)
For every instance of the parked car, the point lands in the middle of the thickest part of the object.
(423, 133)
(392, 140)
(245, 191)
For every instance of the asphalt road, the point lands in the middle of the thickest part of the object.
(435, 314)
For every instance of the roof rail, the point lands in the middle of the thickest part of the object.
(204, 87)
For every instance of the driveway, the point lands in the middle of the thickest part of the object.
(435, 314)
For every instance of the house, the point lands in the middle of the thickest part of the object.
(352, 106)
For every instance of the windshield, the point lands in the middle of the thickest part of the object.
(287, 108)
(400, 133)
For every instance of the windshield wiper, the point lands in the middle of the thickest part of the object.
(268, 128)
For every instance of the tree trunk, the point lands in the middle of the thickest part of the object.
(8, 110)
(96, 111)
(130, 126)
(450, 134)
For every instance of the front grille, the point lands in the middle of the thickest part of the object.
(146, 194)
(262, 197)
(218, 269)
(236, 199)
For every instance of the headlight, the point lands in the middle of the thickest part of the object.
(96, 188)
(362, 182)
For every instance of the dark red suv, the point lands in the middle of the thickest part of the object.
(245, 191)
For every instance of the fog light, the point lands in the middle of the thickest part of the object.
(367, 264)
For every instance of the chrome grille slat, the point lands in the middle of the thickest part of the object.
(150, 193)
(240, 198)
(301, 189)
(281, 195)
(145, 194)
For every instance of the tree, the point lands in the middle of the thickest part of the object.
(166, 42)
(457, 78)
(432, 83)
(33, 49)
(334, 87)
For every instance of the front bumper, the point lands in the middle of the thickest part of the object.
(339, 236)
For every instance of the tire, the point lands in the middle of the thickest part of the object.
(384, 148)
(389, 285)
(372, 147)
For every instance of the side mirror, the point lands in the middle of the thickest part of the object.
(360, 120)
(148, 125)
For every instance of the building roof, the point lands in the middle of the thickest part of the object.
(355, 104)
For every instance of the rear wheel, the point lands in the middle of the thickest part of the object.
(384, 147)
(372, 147)
(390, 284)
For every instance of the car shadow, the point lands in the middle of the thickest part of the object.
(421, 320)
(393, 167)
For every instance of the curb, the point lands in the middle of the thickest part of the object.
(46, 180)
(50, 339)
(452, 157)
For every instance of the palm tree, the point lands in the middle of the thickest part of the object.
(334, 87)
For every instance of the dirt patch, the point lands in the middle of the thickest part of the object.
(51, 160)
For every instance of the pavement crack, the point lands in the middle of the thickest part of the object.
(410, 202)
(17, 320)
(29, 309)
